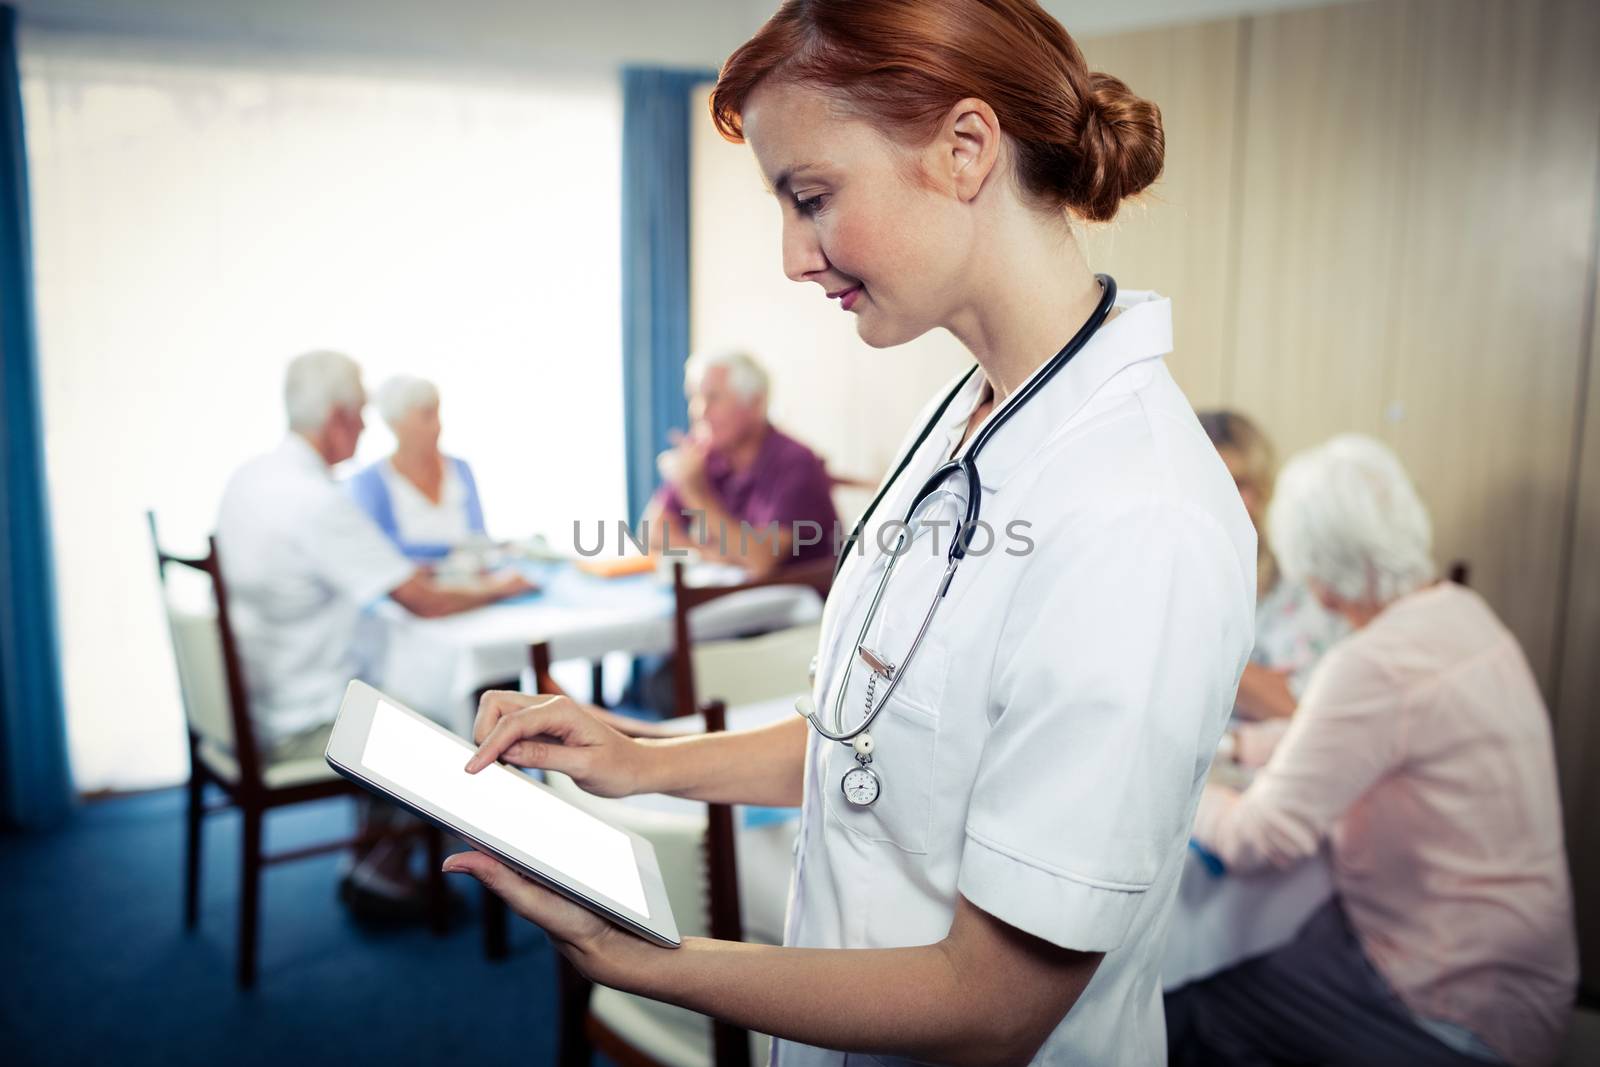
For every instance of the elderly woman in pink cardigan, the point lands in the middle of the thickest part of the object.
(1421, 758)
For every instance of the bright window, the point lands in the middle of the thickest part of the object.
(200, 218)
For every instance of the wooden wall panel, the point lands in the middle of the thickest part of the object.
(1178, 240)
(1492, 280)
(1578, 701)
(1376, 217)
(1320, 200)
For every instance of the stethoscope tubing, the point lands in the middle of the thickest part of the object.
(967, 466)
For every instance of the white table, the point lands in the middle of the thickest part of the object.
(1219, 920)
(437, 665)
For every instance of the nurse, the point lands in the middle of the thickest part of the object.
(998, 892)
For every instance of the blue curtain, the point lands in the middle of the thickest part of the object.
(35, 784)
(656, 107)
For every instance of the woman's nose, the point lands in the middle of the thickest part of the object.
(802, 252)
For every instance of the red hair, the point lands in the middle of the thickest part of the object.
(1083, 141)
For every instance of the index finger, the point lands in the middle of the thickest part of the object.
(511, 729)
(496, 704)
(491, 706)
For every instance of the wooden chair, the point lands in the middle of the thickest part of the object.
(630, 1030)
(736, 663)
(223, 752)
(698, 863)
(735, 670)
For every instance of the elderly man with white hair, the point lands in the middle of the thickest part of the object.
(1421, 758)
(302, 561)
(425, 501)
(737, 489)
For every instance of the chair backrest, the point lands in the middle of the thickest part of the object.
(202, 675)
(215, 701)
(816, 574)
(748, 670)
(699, 867)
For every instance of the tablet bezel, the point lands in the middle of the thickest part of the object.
(348, 742)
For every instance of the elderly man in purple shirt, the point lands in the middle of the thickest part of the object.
(735, 488)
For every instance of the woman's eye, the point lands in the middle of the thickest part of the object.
(809, 205)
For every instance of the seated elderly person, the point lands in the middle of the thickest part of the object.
(1421, 757)
(302, 562)
(736, 489)
(1293, 629)
(425, 501)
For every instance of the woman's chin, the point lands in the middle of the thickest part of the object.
(877, 333)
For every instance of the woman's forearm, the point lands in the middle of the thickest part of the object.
(987, 994)
(902, 1002)
(765, 766)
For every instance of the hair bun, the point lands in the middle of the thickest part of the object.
(1120, 149)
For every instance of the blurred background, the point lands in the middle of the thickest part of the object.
(1376, 216)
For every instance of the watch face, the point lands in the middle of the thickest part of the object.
(860, 786)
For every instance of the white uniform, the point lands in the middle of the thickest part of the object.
(1044, 753)
(301, 561)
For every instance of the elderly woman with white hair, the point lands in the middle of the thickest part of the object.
(425, 501)
(1421, 758)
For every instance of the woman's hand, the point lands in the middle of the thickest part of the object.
(578, 933)
(556, 733)
(684, 464)
(510, 584)
(1264, 693)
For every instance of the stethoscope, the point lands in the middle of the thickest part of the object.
(861, 784)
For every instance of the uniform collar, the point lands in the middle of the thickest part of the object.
(1141, 331)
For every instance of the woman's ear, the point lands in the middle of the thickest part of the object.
(969, 145)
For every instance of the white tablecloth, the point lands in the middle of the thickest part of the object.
(436, 665)
(1219, 920)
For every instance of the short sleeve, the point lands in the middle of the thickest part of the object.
(350, 552)
(475, 521)
(1118, 663)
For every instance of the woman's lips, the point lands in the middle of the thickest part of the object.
(848, 297)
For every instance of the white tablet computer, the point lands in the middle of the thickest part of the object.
(393, 751)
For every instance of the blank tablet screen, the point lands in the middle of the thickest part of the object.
(504, 804)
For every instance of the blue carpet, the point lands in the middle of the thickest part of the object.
(98, 968)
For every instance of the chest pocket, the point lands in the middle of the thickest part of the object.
(906, 731)
(906, 745)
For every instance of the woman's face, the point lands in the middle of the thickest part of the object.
(856, 219)
(419, 429)
(1249, 491)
